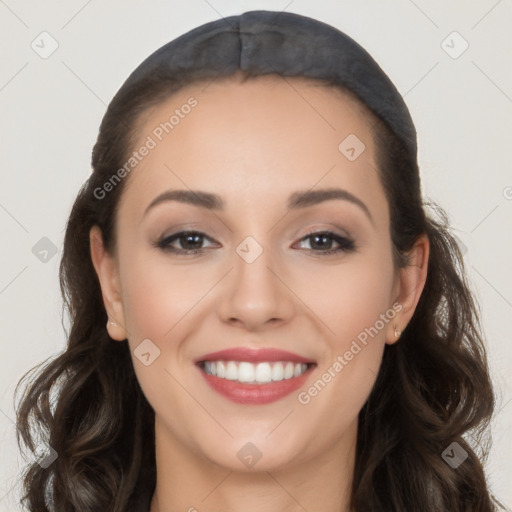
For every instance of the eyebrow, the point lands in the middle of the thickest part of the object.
(297, 200)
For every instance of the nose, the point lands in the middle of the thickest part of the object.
(256, 295)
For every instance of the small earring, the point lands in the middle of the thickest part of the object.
(112, 323)
(397, 333)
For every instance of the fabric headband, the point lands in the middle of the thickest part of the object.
(262, 42)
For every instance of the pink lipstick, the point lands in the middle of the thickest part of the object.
(254, 376)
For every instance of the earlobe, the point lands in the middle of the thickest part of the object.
(412, 280)
(108, 276)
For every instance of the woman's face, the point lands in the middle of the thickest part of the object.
(262, 282)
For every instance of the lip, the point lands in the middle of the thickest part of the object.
(253, 355)
(255, 394)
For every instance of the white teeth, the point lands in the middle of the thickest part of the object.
(259, 373)
(210, 367)
(263, 372)
(278, 371)
(231, 371)
(289, 371)
(221, 369)
(246, 372)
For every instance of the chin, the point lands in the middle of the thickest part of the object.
(249, 454)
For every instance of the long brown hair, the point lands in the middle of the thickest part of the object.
(433, 388)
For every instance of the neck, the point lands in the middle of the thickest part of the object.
(190, 483)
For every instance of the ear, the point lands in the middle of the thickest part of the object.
(409, 286)
(108, 276)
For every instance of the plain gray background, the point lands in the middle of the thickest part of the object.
(51, 108)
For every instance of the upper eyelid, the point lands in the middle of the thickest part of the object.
(194, 231)
(183, 232)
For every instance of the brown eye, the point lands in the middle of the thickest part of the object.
(190, 242)
(322, 242)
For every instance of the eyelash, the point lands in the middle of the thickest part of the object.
(346, 245)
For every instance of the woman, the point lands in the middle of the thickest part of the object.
(263, 315)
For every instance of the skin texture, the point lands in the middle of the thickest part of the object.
(254, 144)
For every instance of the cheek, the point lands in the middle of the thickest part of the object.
(157, 295)
(353, 300)
(351, 296)
(162, 302)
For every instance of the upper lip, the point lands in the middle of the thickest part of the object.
(253, 355)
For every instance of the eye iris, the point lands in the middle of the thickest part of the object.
(321, 245)
(196, 241)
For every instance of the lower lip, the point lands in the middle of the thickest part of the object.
(255, 394)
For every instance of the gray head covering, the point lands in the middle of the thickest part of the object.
(263, 42)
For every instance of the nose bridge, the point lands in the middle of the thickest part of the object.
(255, 294)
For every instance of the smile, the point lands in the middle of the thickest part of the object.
(252, 373)
(254, 376)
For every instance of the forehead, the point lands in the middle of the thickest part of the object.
(254, 140)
